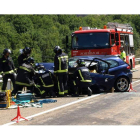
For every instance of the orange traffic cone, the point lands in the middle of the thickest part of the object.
(18, 117)
(131, 89)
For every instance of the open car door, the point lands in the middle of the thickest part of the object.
(102, 79)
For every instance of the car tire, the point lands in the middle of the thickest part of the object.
(122, 84)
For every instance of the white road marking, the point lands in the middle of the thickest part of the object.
(136, 85)
(53, 109)
(137, 66)
(59, 107)
(135, 81)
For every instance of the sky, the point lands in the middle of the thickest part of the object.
(69, 7)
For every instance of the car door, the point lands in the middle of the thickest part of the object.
(101, 78)
(104, 81)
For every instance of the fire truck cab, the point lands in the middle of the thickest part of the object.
(107, 41)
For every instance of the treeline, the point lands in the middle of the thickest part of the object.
(44, 32)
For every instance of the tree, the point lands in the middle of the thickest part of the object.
(44, 32)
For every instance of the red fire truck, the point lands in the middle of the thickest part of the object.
(106, 41)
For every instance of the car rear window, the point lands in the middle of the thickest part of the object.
(113, 63)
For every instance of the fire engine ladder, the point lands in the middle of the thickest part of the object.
(114, 25)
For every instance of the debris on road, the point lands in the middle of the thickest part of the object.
(24, 100)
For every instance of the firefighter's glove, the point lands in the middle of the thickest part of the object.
(37, 86)
(15, 70)
(32, 84)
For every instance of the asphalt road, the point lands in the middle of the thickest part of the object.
(107, 109)
(104, 109)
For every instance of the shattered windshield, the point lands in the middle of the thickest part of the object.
(73, 62)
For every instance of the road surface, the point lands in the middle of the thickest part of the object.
(104, 109)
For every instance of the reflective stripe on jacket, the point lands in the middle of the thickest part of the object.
(45, 79)
(6, 65)
(123, 55)
(60, 63)
(83, 75)
(25, 75)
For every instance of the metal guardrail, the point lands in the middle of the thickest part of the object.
(137, 59)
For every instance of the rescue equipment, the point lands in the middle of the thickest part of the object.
(18, 117)
(5, 99)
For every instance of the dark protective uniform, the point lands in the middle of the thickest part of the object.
(72, 88)
(24, 78)
(45, 83)
(83, 80)
(61, 71)
(7, 68)
(22, 59)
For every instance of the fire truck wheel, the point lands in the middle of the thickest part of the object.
(122, 84)
(131, 64)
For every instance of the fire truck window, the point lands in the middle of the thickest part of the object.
(131, 50)
(126, 45)
(75, 41)
(122, 40)
(112, 39)
(90, 40)
(126, 40)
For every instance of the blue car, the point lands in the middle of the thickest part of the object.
(48, 66)
(111, 72)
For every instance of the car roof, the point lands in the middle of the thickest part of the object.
(104, 57)
(96, 56)
(51, 63)
(49, 66)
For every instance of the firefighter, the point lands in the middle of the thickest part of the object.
(24, 56)
(123, 54)
(45, 81)
(61, 70)
(82, 78)
(7, 68)
(25, 76)
(72, 86)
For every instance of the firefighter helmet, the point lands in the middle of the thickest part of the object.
(27, 50)
(81, 62)
(57, 48)
(30, 60)
(39, 67)
(6, 51)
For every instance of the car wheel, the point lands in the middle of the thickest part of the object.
(122, 84)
